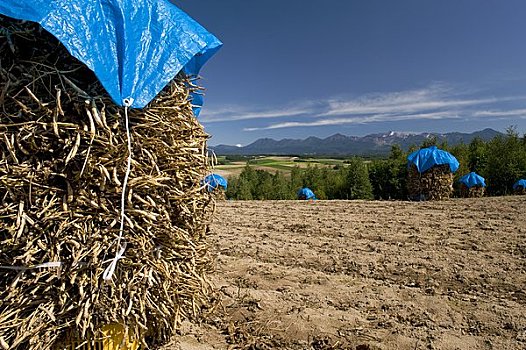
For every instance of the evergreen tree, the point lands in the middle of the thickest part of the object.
(461, 152)
(477, 159)
(263, 188)
(296, 180)
(506, 157)
(358, 183)
(389, 176)
(431, 141)
(280, 187)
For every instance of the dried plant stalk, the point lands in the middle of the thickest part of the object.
(472, 192)
(433, 184)
(63, 154)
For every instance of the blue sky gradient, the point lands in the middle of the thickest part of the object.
(293, 69)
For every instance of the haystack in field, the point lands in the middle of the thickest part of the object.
(306, 193)
(216, 185)
(519, 187)
(472, 192)
(430, 175)
(472, 185)
(435, 183)
(64, 156)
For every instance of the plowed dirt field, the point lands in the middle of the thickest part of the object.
(368, 275)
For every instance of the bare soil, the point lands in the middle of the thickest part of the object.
(367, 275)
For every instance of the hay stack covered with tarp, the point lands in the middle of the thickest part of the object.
(430, 175)
(216, 185)
(306, 193)
(472, 185)
(70, 261)
(519, 187)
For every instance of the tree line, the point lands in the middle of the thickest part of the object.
(501, 161)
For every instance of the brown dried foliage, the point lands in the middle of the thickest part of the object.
(472, 192)
(63, 154)
(433, 184)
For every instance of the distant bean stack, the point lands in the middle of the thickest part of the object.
(472, 192)
(435, 183)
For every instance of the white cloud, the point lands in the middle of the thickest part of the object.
(508, 113)
(235, 114)
(437, 101)
(361, 120)
(352, 108)
(436, 97)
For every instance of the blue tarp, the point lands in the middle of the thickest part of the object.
(521, 182)
(214, 181)
(135, 47)
(472, 179)
(426, 158)
(306, 193)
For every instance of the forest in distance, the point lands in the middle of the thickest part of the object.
(501, 161)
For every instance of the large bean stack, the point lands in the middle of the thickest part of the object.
(63, 159)
(433, 184)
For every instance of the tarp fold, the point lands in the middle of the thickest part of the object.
(134, 47)
(426, 158)
(472, 179)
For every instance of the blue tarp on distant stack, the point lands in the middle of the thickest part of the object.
(135, 47)
(426, 158)
(306, 193)
(472, 179)
(214, 181)
(520, 183)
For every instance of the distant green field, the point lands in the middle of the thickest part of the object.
(234, 167)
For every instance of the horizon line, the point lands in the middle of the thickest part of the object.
(409, 133)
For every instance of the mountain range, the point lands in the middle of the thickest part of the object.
(342, 145)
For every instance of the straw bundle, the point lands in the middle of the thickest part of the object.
(520, 190)
(63, 158)
(433, 184)
(219, 194)
(472, 192)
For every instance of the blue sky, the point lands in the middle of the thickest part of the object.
(299, 68)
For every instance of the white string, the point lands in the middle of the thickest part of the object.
(213, 159)
(213, 162)
(40, 266)
(108, 273)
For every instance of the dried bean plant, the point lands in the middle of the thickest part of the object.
(63, 158)
(433, 184)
